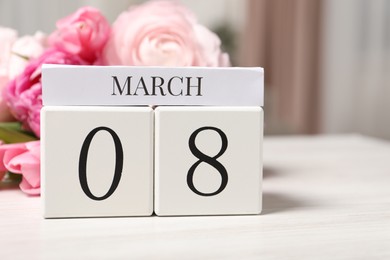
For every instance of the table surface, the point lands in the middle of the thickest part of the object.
(325, 197)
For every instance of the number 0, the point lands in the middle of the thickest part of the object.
(83, 163)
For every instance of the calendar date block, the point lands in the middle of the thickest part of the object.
(208, 160)
(97, 161)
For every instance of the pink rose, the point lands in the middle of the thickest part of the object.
(24, 94)
(162, 33)
(14, 56)
(83, 33)
(7, 39)
(23, 158)
(24, 49)
(16, 52)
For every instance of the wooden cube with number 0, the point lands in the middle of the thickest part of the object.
(97, 161)
(208, 160)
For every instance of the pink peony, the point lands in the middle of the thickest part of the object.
(23, 94)
(162, 33)
(23, 158)
(14, 56)
(83, 33)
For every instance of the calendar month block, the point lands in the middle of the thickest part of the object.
(67, 85)
(208, 160)
(97, 161)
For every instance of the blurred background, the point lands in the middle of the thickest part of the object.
(327, 62)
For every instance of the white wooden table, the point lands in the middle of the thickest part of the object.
(324, 198)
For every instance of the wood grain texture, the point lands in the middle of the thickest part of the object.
(325, 197)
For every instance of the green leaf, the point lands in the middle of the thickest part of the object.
(12, 125)
(12, 133)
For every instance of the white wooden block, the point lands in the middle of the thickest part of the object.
(132, 85)
(97, 161)
(208, 160)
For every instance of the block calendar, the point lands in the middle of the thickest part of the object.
(130, 148)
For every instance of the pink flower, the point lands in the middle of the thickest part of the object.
(23, 158)
(162, 33)
(7, 39)
(2, 168)
(83, 33)
(14, 56)
(24, 94)
(24, 49)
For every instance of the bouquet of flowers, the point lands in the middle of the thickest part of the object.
(157, 33)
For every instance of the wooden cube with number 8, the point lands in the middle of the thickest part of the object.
(208, 160)
(97, 161)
